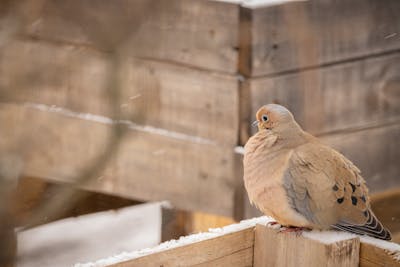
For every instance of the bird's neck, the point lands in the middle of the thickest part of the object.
(291, 135)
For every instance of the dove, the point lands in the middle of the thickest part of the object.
(302, 183)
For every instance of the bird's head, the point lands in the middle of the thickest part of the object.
(275, 118)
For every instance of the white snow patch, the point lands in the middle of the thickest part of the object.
(328, 237)
(185, 240)
(129, 124)
(260, 3)
(88, 237)
(239, 150)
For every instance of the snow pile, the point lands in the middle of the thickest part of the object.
(185, 240)
(328, 237)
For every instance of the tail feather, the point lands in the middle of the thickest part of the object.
(372, 227)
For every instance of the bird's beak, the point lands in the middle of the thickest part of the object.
(254, 124)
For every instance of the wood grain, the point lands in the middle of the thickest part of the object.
(374, 151)
(234, 249)
(144, 167)
(332, 98)
(372, 256)
(274, 249)
(174, 98)
(384, 205)
(304, 34)
(198, 33)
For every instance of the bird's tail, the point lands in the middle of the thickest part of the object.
(373, 227)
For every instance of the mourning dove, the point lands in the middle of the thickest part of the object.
(299, 181)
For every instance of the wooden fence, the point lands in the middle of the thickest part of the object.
(189, 77)
(254, 244)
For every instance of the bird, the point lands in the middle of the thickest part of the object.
(302, 183)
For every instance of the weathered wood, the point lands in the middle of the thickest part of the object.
(196, 33)
(302, 34)
(31, 193)
(235, 248)
(243, 258)
(172, 97)
(332, 98)
(144, 167)
(375, 151)
(274, 249)
(173, 223)
(373, 256)
(202, 222)
(386, 207)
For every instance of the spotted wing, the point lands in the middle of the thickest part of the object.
(329, 191)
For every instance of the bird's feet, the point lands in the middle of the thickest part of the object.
(293, 229)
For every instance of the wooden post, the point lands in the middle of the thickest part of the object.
(291, 249)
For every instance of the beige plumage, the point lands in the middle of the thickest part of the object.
(301, 182)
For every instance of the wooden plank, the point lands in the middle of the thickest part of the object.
(236, 248)
(332, 98)
(372, 256)
(202, 222)
(31, 193)
(173, 223)
(386, 208)
(276, 249)
(172, 97)
(146, 166)
(196, 33)
(243, 258)
(302, 34)
(374, 151)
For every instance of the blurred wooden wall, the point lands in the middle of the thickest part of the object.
(183, 79)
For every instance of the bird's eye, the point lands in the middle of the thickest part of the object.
(264, 118)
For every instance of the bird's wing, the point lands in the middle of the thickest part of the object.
(329, 191)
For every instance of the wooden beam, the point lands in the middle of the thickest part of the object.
(375, 151)
(166, 96)
(373, 256)
(32, 193)
(290, 249)
(173, 223)
(144, 166)
(385, 208)
(333, 98)
(303, 34)
(234, 249)
(198, 33)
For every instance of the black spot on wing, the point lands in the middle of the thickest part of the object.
(335, 188)
(353, 187)
(354, 200)
(363, 198)
(340, 200)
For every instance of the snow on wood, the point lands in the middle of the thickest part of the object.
(391, 247)
(259, 3)
(185, 240)
(328, 237)
(105, 120)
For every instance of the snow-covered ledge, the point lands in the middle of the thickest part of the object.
(255, 242)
